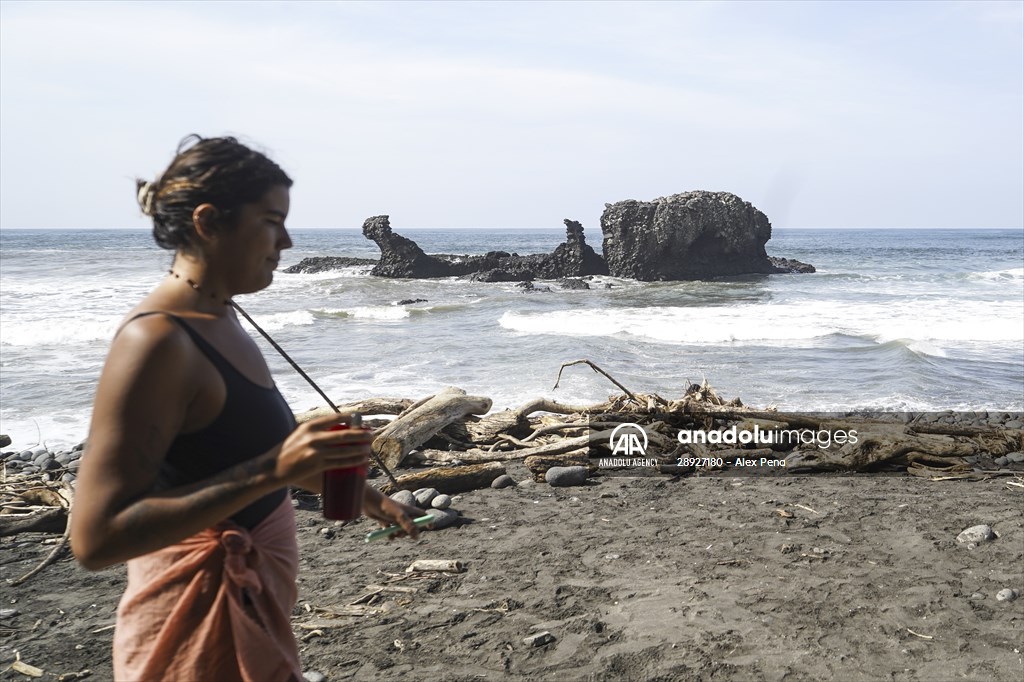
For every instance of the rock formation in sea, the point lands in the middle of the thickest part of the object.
(401, 257)
(693, 235)
(326, 263)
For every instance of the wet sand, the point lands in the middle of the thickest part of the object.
(719, 577)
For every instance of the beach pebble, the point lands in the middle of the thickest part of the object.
(1015, 457)
(73, 466)
(443, 517)
(1006, 595)
(327, 532)
(63, 458)
(424, 496)
(67, 477)
(978, 595)
(1001, 461)
(503, 481)
(526, 483)
(404, 497)
(43, 461)
(5, 440)
(566, 476)
(441, 502)
(1015, 424)
(314, 676)
(9, 613)
(975, 535)
(26, 455)
(539, 639)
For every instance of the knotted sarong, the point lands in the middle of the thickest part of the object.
(216, 606)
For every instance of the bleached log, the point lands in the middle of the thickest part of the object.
(539, 464)
(415, 427)
(368, 406)
(449, 480)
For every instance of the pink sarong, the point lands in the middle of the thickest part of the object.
(184, 615)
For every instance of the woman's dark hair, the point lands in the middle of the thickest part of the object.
(215, 170)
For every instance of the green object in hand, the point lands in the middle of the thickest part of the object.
(391, 530)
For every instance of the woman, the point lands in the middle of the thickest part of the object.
(192, 448)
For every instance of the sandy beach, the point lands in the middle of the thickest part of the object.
(852, 577)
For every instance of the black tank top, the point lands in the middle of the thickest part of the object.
(253, 420)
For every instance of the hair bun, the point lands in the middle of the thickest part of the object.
(147, 192)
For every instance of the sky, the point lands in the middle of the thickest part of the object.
(495, 114)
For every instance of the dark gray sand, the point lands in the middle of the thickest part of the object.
(635, 578)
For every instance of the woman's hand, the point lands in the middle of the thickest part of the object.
(314, 447)
(382, 508)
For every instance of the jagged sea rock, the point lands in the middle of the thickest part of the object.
(326, 263)
(693, 235)
(401, 257)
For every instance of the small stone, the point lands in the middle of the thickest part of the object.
(1015, 457)
(503, 481)
(63, 458)
(9, 613)
(1001, 461)
(1014, 424)
(526, 484)
(314, 676)
(26, 456)
(539, 639)
(978, 595)
(424, 496)
(80, 446)
(975, 535)
(40, 451)
(73, 466)
(5, 440)
(1006, 595)
(441, 502)
(404, 497)
(562, 477)
(327, 532)
(608, 495)
(68, 477)
(295, 502)
(442, 517)
(611, 557)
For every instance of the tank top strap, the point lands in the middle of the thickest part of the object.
(214, 355)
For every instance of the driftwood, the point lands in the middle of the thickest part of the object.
(45, 520)
(539, 464)
(449, 480)
(599, 371)
(415, 427)
(364, 407)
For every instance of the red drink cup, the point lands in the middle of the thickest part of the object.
(344, 488)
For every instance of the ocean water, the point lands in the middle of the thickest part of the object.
(893, 319)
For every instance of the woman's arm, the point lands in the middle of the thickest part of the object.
(141, 405)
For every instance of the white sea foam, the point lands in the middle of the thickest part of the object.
(920, 326)
(281, 320)
(57, 330)
(1010, 276)
(379, 312)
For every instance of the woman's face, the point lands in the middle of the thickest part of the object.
(248, 253)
